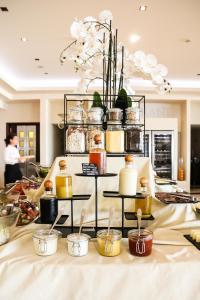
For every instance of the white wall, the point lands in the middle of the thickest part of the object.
(195, 112)
(160, 109)
(16, 112)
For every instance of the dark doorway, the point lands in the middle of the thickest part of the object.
(195, 156)
(29, 143)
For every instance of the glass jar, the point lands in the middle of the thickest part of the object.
(95, 114)
(75, 114)
(133, 114)
(133, 138)
(140, 245)
(114, 114)
(115, 138)
(109, 244)
(77, 244)
(45, 242)
(90, 134)
(75, 138)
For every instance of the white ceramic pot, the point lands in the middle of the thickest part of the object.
(77, 244)
(45, 244)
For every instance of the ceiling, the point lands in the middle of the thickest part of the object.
(163, 29)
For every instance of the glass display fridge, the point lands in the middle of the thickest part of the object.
(159, 146)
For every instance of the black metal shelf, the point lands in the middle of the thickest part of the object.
(118, 154)
(128, 215)
(139, 99)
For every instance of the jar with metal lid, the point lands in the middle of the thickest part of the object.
(109, 243)
(133, 138)
(133, 114)
(93, 130)
(115, 114)
(140, 243)
(95, 114)
(45, 242)
(75, 138)
(114, 137)
(77, 244)
(75, 114)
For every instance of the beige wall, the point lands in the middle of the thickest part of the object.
(19, 111)
(195, 113)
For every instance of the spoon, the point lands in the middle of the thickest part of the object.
(81, 220)
(56, 220)
(108, 242)
(140, 245)
(139, 218)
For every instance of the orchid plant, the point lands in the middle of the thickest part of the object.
(95, 47)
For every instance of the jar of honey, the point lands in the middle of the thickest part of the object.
(140, 243)
(109, 243)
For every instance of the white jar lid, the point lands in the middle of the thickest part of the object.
(76, 237)
(43, 234)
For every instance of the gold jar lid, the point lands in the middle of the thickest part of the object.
(143, 181)
(48, 185)
(129, 158)
(62, 164)
(97, 139)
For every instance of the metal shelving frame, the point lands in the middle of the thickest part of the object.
(140, 99)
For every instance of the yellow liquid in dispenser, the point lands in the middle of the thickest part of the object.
(63, 187)
(144, 204)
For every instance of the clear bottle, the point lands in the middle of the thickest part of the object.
(63, 182)
(114, 137)
(97, 155)
(128, 178)
(144, 200)
(181, 171)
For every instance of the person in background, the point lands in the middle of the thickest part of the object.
(12, 159)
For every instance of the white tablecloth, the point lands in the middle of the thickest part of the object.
(170, 273)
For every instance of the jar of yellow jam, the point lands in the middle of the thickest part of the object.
(109, 244)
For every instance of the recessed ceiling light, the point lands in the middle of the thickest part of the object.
(135, 38)
(23, 39)
(40, 67)
(46, 73)
(4, 9)
(143, 8)
(37, 59)
(187, 40)
(198, 74)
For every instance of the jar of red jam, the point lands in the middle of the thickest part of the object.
(140, 245)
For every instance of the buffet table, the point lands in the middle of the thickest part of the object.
(170, 272)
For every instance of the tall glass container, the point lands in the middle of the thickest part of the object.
(63, 182)
(128, 177)
(114, 137)
(133, 138)
(97, 155)
(75, 138)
